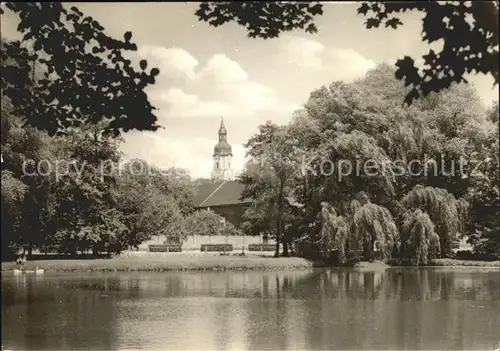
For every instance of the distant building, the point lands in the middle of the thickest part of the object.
(222, 156)
(223, 194)
(223, 197)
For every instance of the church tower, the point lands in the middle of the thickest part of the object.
(222, 156)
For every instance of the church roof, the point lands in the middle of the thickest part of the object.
(223, 149)
(219, 193)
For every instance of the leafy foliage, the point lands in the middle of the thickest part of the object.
(146, 197)
(468, 46)
(404, 183)
(207, 222)
(419, 237)
(484, 198)
(258, 218)
(442, 208)
(68, 91)
(94, 201)
(262, 20)
(333, 234)
(13, 193)
(86, 76)
(493, 113)
(268, 177)
(374, 227)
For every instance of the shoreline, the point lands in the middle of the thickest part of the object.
(214, 262)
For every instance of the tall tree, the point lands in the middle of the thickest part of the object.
(86, 206)
(334, 233)
(419, 238)
(374, 227)
(269, 174)
(406, 159)
(153, 202)
(13, 195)
(484, 198)
(444, 211)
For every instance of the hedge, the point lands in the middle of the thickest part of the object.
(467, 255)
(165, 248)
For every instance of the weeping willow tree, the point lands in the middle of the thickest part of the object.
(443, 209)
(419, 238)
(374, 226)
(333, 233)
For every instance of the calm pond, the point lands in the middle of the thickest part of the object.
(399, 309)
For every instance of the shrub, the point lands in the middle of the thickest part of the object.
(475, 256)
(207, 222)
(261, 247)
(165, 248)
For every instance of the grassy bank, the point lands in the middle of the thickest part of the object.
(448, 262)
(202, 261)
(168, 262)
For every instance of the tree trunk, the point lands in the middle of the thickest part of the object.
(285, 243)
(445, 247)
(279, 228)
(367, 249)
(285, 248)
(30, 250)
(72, 250)
(277, 250)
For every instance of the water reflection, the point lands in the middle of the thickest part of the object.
(321, 309)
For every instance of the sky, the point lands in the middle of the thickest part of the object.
(208, 73)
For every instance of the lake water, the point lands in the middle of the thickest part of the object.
(399, 309)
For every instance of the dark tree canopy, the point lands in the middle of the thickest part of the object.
(85, 76)
(469, 47)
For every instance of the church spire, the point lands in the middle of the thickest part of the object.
(222, 130)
